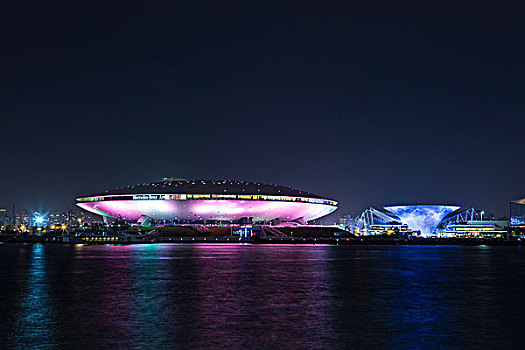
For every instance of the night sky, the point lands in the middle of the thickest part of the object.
(368, 103)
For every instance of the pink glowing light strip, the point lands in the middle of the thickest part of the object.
(207, 197)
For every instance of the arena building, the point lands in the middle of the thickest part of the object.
(208, 201)
(422, 218)
(419, 220)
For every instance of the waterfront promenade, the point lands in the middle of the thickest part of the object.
(367, 240)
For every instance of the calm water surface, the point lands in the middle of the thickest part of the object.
(261, 296)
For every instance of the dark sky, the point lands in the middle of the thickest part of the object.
(367, 103)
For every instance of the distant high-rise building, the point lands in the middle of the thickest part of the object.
(3, 217)
(23, 218)
(517, 212)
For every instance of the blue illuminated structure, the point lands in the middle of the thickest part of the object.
(423, 218)
(39, 220)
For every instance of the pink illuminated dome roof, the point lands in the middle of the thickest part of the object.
(198, 200)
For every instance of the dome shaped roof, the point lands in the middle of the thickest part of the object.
(208, 187)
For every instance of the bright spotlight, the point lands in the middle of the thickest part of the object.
(39, 220)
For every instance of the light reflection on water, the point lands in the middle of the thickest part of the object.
(245, 296)
(35, 323)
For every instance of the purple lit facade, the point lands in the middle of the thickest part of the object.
(208, 201)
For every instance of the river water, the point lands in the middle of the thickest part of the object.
(260, 296)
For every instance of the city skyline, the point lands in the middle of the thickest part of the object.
(262, 175)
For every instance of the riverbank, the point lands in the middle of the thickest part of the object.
(275, 240)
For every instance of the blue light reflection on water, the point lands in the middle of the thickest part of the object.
(242, 296)
(35, 321)
(152, 309)
(417, 297)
